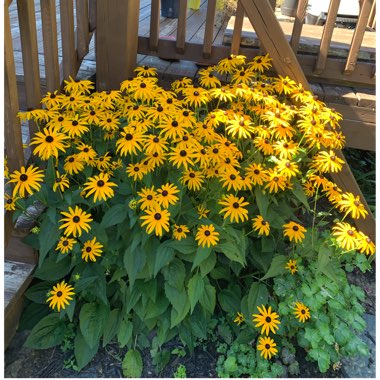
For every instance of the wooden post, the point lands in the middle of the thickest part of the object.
(28, 34)
(49, 33)
(209, 35)
(92, 15)
(181, 30)
(82, 33)
(238, 26)
(298, 24)
(154, 25)
(116, 41)
(272, 37)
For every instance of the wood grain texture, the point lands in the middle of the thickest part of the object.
(50, 43)
(82, 30)
(359, 134)
(238, 25)
(182, 23)
(298, 24)
(154, 24)
(327, 36)
(366, 98)
(210, 19)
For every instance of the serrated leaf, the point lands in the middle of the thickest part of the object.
(134, 261)
(177, 317)
(208, 298)
(114, 215)
(47, 333)
(257, 296)
(229, 300)
(92, 318)
(208, 265)
(195, 290)
(262, 201)
(124, 334)
(177, 297)
(48, 238)
(200, 255)
(175, 273)
(233, 252)
(51, 270)
(112, 326)
(163, 257)
(298, 191)
(277, 267)
(322, 357)
(38, 292)
(83, 352)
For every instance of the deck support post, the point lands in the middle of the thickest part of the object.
(116, 41)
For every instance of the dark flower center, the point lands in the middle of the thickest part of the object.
(109, 120)
(295, 228)
(287, 165)
(350, 232)
(52, 96)
(263, 223)
(58, 180)
(156, 140)
(203, 151)
(71, 159)
(292, 267)
(135, 108)
(136, 168)
(86, 150)
(235, 205)
(88, 249)
(268, 319)
(165, 193)
(23, 177)
(59, 294)
(9, 201)
(357, 203)
(259, 60)
(142, 85)
(241, 123)
(210, 75)
(72, 99)
(185, 113)
(155, 154)
(179, 229)
(303, 311)
(65, 243)
(192, 175)
(92, 113)
(182, 153)
(74, 123)
(128, 137)
(76, 219)
(215, 150)
(149, 197)
(159, 109)
(174, 123)
(146, 67)
(256, 171)
(332, 158)
(267, 346)
(207, 233)
(233, 177)
(275, 179)
(49, 139)
(227, 160)
(60, 119)
(157, 216)
(196, 93)
(100, 183)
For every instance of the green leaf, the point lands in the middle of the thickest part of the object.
(47, 333)
(156, 308)
(134, 261)
(195, 289)
(132, 364)
(115, 215)
(163, 257)
(83, 352)
(175, 273)
(324, 331)
(229, 300)
(51, 270)
(232, 251)
(257, 296)
(324, 257)
(312, 335)
(38, 293)
(201, 255)
(230, 364)
(300, 194)
(208, 298)
(124, 334)
(177, 316)
(322, 357)
(111, 326)
(177, 297)
(31, 315)
(262, 201)
(48, 238)
(277, 267)
(186, 246)
(92, 319)
(208, 265)
(99, 231)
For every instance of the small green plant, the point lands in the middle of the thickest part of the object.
(70, 363)
(179, 351)
(68, 339)
(180, 372)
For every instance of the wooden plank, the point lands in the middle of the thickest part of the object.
(92, 14)
(27, 24)
(298, 24)
(327, 36)
(366, 115)
(12, 128)
(340, 94)
(154, 24)
(208, 38)
(49, 32)
(69, 55)
(357, 38)
(82, 32)
(359, 134)
(181, 31)
(372, 17)
(18, 251)
(238, 25)
(131, 40)
(260, 13)
(366, 98)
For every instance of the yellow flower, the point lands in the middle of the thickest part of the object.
(234, 208)
(294, 231)
(267, 346)
(239, 318)
(60, 296)
(202, 211)
(365, 244)
(26, 180)
(65, 244)
(292, 266)
(156, 220)
(166, 195)
(75, 221)
(346, 236)
(260, 225)
(148, 198)
(100, 187)
(193, 179)
(301, 312)
(327, 162)
(73, 164)
(267, 319)
(61, 182)
(179, 232)
(352, 205)
(206, 235)
(49, 143)
(91, 249)
(10, 202)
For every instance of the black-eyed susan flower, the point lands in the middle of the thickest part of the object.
(260, 63)
(156, 220)
(136, 171)
(74, 126)
(49, 142)
(206, 235)
(26, 180)
(234, 208)
(181, 157)
(291, 265)
(195, 96)
(193, 179)
(263, 145)
(365, 244)
(267, 320)
(10, 202)
(76, 86)
(327, 162)
(352, 205)
(267, 346)
(148, 198)
(301, 312)
(61, 182)
(346, 235)
(75, 221)
(240, 127)
(144, 88)
(223, 94)
(256, 173)
(208, 79)
(294, 231)
(91, 250)
(333, 192)
(155, 144)
(100, 187)
(202, 211)
(73, 164)
(284, 85)
(231, 179)
(227, 65)
(167, 195)
(86, 152)
(260, 225)
(146, 71)
(308, 188)
(104, 162)
(65, 244)
(275, 182)
(60, 296)
(180, 231)
(109, 121)
(51, 99)
(285, 149)
(287, 168)
(239, 318)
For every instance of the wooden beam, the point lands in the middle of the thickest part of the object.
(298, 24)
(82, 32)
(238, 26)
(181, 29)
(359, 134)
(49, 33)
(154, 25)
(210, 19)
(131, 41)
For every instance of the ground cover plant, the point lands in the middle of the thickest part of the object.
(166, 210)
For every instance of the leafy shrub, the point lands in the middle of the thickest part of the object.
(164, 208)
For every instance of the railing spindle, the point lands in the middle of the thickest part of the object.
(154, 25)
(69, 55)
(357, 38)
(49, 33)
(209, 35)
(298, 24)
(372, 16)
(326, 36)
(28, 34)
(82, 33)
(181, 30)
(92, 14)
(238, 27)
(12, 128)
